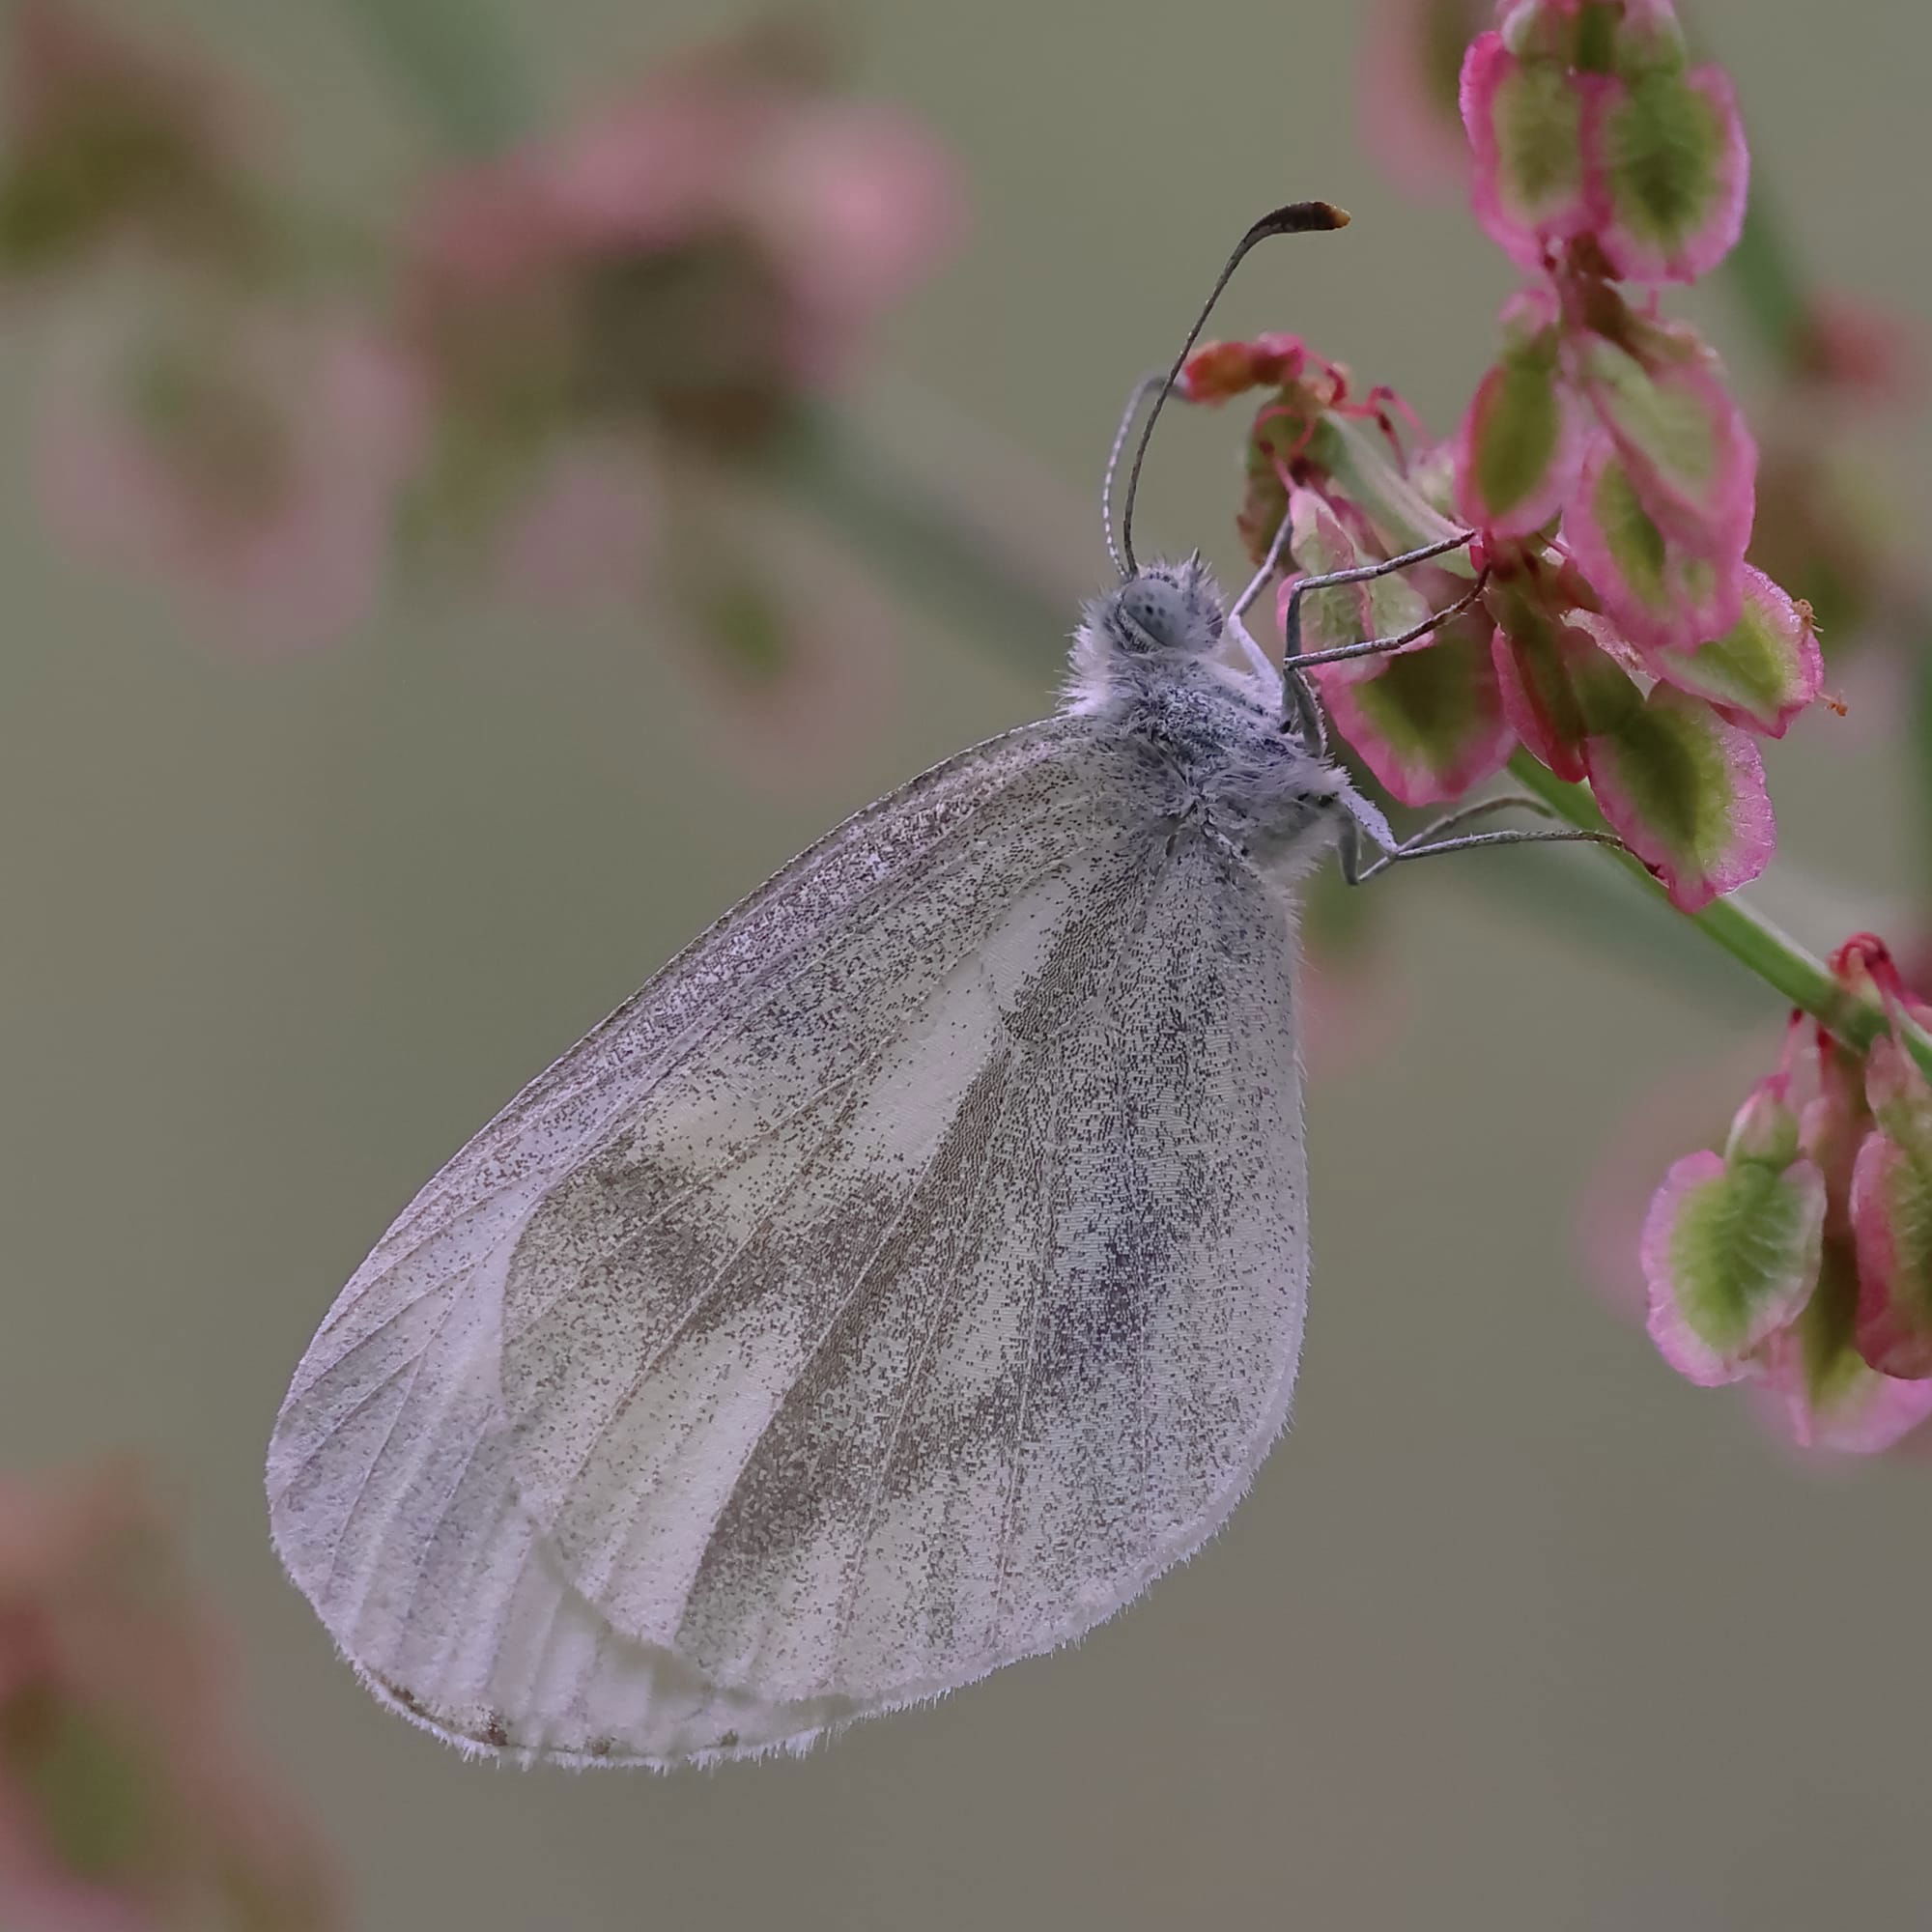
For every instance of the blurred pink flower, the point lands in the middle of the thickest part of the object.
(1860, 353)
(691, 256)
(107, 140)
(1834, 520)
(255, 456)
(126, 1802)
(1411, 63)
(610, 319)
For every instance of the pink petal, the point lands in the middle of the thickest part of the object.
(1341, 614)
(1679, 1110)
(1684, 1181)
(1673, 207)
(1892, 1194)
(81, 99)
(1684, 790)
(1698, 1189)
(164, 1817)
(1218, 371)
(662, 165)
(1525, 123)
(1761, 673)
(1520, 447)
(1659, 591)
(1428, 725)
(1539, 697)
(1830, 1397)
(1679, 430)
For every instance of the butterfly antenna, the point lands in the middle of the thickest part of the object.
(1147, 386)
(1298, 217)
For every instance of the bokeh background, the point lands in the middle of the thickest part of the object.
(1517, 1629)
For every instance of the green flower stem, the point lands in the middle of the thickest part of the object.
(1798, 975)
(458, 62)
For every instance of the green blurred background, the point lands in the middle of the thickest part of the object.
(1516, 1629)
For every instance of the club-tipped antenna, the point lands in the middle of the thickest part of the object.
(1298, 217)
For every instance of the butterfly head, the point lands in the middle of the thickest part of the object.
(1163, 626)
(1162, 610)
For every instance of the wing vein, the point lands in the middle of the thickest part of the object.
(942, 1304)
(845, 1303)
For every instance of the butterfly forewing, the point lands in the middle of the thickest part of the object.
(893, 1288)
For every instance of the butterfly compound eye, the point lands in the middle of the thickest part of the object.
(1152, 613)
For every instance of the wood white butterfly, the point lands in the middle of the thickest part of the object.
(906, 1276)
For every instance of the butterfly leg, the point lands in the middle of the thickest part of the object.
(1306, 722)
(1436, 839)
(1302, 715)
(1372, 646)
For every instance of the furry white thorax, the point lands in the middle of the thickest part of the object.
(1157, 658)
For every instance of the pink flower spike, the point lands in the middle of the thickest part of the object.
(1684, 790)
(1730, 1254)
(1430, 723)
(1525, 123)
(1668, 149)
(1763, 671)
(1659, 591)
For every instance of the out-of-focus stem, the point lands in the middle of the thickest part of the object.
(455, 58)
(1788, 968)
(1764, 276)
(919, 542)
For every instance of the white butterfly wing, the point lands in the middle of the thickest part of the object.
(905, 1277)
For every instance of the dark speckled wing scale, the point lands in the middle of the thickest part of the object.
(906, 1276)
